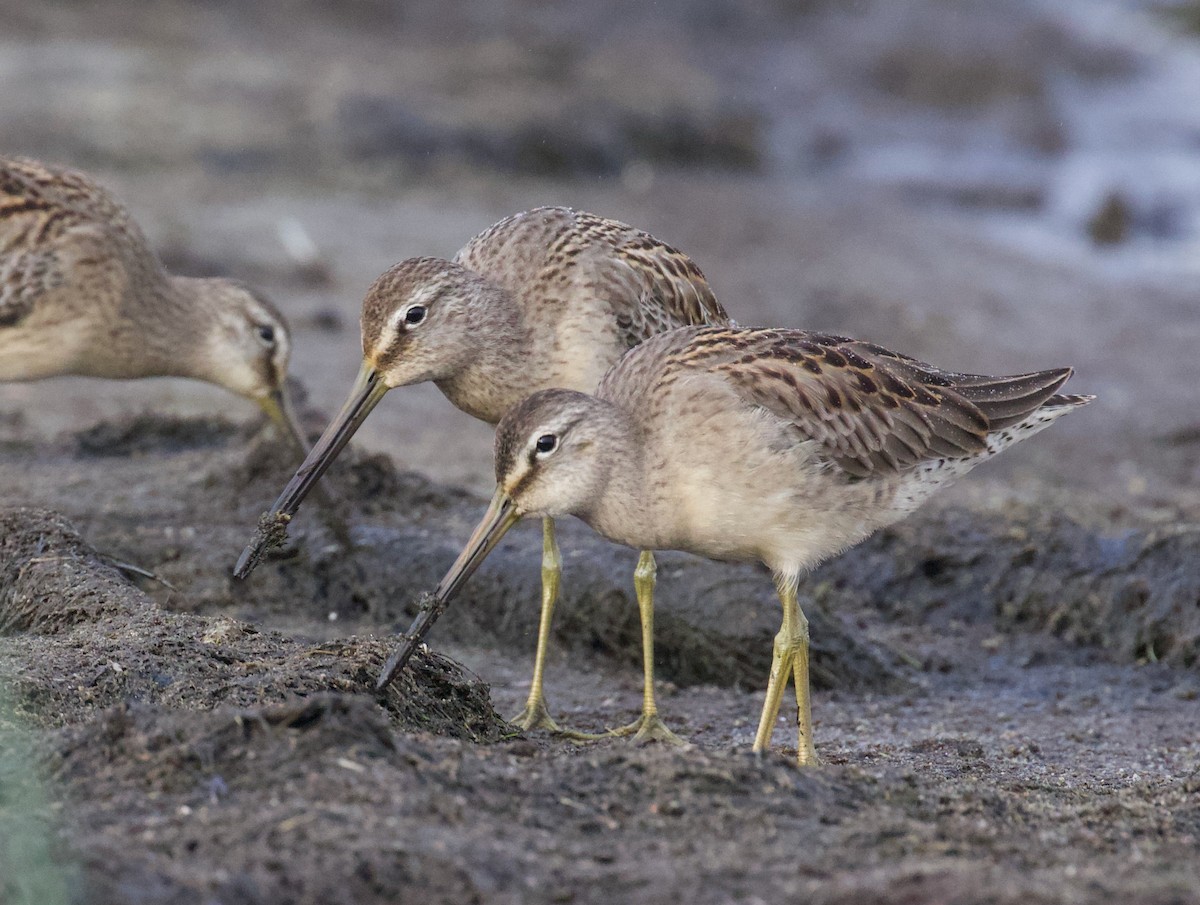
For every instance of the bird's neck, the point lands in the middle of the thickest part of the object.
(143, 329)
(623, 510)
(499, 368)
(174, 342)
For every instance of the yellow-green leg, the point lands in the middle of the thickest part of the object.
(649, 726)
(535, 715)
(790, 658)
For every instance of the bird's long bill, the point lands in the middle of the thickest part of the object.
(500, 516)
(278, 406)
(368, 390)
(364, 396)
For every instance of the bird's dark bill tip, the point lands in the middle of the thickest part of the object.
(397, 661)
(246, 562)
(430, 609)
(269, 535)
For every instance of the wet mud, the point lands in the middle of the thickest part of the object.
(982, 675)
(90, 640)
(1007, 692)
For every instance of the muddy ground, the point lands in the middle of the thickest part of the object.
(991, 726)
(1007, 684)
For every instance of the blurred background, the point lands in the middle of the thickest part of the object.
(998, 185)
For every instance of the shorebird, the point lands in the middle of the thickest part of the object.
(779, 446)
(82, 293)
(551, 297)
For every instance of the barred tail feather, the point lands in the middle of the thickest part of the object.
(934, 474)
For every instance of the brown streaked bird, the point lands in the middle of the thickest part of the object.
(778, 446)
(82, 293)
(551, 297)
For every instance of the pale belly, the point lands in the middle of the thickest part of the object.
(740, 485)
(788, 525)
(33, 355)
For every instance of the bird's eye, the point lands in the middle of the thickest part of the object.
(546, 443)
(414, 315)
(266, 333)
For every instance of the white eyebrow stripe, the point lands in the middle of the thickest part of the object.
(422, 296)
(260, 315)
(386, 337)
(392, 327)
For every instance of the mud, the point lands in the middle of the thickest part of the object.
(1132, 591)
(1007, 691)
(965, 706)
(88, 641)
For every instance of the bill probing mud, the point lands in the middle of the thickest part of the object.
(366, 393)
(430, 610)
(500, 516)
(271, 534)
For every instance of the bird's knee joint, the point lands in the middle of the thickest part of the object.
(789, 643)
(645, 572)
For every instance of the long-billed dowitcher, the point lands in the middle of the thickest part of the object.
(82, 293)
(750, 444)
(551, 297)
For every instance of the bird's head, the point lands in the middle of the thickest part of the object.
(247, 348)
(421, 321)
(555, 454)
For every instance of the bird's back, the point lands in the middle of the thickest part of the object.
(40, 203)
(68, 252)
(874, 411)
(591, 287)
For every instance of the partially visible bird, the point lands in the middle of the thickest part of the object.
(82, 293)
(779, 446)
(551, 297)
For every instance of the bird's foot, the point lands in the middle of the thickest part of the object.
(807, 757)
(536, 716)
(804, 758)
(648, 727)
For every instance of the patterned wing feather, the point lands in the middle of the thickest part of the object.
(57, 226)
(24, 278)
(57, 199)
(872, 410)
(651, 286)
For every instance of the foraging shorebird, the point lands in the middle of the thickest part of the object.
(82, 293)
(778, 446)
(551, 297)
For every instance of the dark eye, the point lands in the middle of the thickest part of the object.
(267, 334)
(415, 314)
(546, 443)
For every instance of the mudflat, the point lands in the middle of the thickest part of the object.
(1006, 690)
